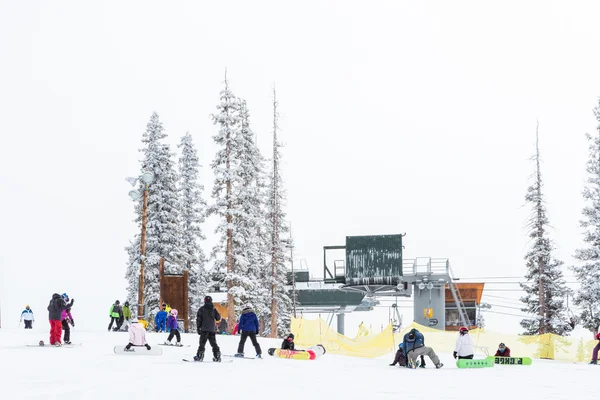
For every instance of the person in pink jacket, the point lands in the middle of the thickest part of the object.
(137, 335)
(67, 319)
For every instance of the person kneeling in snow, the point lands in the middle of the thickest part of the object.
(137, 335)
(414, 346)
(502, 351)
(464, 345)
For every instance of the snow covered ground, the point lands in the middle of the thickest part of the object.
(93, 371)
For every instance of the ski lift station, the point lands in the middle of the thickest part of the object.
(368, 267)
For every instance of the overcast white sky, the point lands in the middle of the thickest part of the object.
(397, 116)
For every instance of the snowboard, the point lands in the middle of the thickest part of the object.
(172, 345)
(510, 360)
(247, 358)
(206, 361)
(42, 344)
(309, 354)
(481, 363)
(138, 351)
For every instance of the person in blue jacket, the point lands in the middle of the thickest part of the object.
(414, 346)
(161, 320)
(248, 327)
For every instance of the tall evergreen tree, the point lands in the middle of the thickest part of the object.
(225, 167)
(280, 299)
(192, 216)
(163, 233)
(587, 271)
(545, 288)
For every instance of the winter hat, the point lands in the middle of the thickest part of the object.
(291, 336)
(174, 312)
(27, 306)
(127, 304)
(117, 302)
(248, 305)
(208, 299)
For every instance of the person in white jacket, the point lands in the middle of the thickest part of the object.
(464, 345)
(27, 316)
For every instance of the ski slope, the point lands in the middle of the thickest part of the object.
(93, 371)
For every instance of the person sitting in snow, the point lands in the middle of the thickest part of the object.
(137, 336)
(400, 358)
(288, 343)
(502, 351)
(27, 316)
(464, 345)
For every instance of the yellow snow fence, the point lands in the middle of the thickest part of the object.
(548, 346)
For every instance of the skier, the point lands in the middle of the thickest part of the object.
(464, 345)
(414, 346)
(27, 316)
(595, 352)
(248, 326)
(205, 321)
(137, 335)
(55, 307)
(400, 358)
(174, 328)
(502, 351)
(115, 315)
(67, 319)
(126, 314)
(161, 320)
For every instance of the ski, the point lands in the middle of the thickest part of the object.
(207, 361)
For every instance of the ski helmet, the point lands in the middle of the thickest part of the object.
(463, 330)
(208, 299)
(65, 296)
(174, 312)
(248, 305)
(598, 336)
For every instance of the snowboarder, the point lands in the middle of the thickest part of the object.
(27, 316)
(414, 346)
(137, 335)
(288, 343)
(174, 328)
(400, 358)
(55, 308)
(116, 312)
(502, 351)
(126, 315)
(223, 326)
(464, 345)
(206, 323)
(161, 320)
(248, 326)
(67, 319)
(595, 352)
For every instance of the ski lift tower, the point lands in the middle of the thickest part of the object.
(373, 265)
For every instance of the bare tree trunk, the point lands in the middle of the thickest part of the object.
(275, 222)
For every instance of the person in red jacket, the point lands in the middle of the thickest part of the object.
(502, 351)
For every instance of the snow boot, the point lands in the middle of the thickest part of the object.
(439, 365)
(258, 356)
(239, 355)
(168, 343)
(199, 357)
(594, 362)
(58, 344)
(178, 344)
(217, 357)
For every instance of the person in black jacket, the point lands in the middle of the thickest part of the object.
(206, 323)
(55, 309)
(288, 343)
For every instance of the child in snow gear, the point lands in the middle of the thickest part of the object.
(116, 313)
(288, 343)
(161, 320)
(55, 309)
(206, 323)
(595, 352)
(248, 326)
(126, 315)
(464, 345)
(502, 351)
(400, 358)
(174, 328)
(414, 346)
(235, 329)
(27, 316)
(67, 319)
(137, 335)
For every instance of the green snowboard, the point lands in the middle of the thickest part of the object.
(510, 360)
(481, 363)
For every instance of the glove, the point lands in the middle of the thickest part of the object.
(454, 354)
(148, 347)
